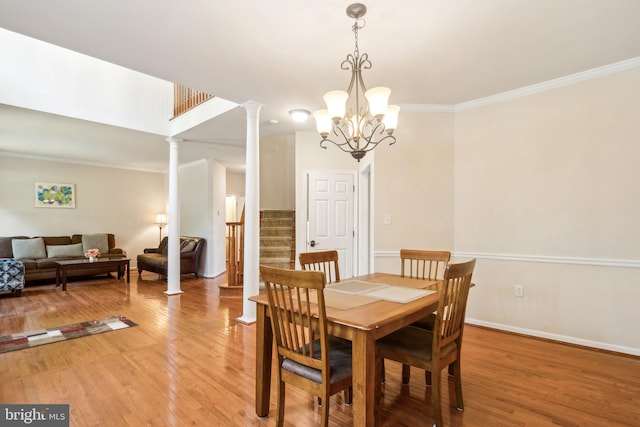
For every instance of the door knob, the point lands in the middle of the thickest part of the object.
(312, 243)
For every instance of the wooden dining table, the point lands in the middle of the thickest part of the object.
(362, 324)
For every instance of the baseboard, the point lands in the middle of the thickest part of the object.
(214, 275)
(556, 337)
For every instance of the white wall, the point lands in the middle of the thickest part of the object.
(108, 200)
(202, 211)
(71, 84)
(546, 196)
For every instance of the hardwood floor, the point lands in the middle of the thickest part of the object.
(189, 363)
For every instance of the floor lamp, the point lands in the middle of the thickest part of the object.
(161, 220)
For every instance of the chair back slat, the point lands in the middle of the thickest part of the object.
(427, 265)
(325, 261)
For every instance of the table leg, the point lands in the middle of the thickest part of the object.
(264, 346)
(57, 276)
(364, 370)
(127, 266)
(64, 279)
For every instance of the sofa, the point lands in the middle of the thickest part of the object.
(156, 261)
(39, 254)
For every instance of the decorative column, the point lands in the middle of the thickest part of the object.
(251, 214)
(173, 267)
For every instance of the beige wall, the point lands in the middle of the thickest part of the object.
(413, 184)
(235, 184)
(277, 171)
(546, 196)
(541, 189)
(108, 200)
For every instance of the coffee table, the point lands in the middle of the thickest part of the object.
(103, 265)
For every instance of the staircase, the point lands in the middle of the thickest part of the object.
(277, 247)
(277, 238)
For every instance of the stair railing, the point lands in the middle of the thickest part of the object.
(235, 252)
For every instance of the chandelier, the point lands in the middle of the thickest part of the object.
(356, 125)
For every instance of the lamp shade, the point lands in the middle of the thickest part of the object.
(336, 101)
(323, 122)
(161, 219)
(390, 120)
(378, 98)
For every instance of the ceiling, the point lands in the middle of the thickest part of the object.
(285, 54)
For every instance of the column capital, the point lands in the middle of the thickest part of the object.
(174, 139)
(252, 107)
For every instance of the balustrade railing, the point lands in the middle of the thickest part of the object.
(185, 98)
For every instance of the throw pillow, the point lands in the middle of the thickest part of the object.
(54, 251)
(28, 248)
(95, 241)
(187, 246)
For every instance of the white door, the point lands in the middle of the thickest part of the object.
(330, 216)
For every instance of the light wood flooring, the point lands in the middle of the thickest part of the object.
(190, 363)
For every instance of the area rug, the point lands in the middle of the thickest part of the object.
(46, 336)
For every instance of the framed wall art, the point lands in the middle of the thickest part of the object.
(55, 195)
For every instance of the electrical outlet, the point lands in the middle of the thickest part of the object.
(518, 290)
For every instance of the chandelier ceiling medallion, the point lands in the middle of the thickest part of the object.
(353, 124)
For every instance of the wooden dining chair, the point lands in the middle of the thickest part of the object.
(425, 265)
(307, 357)
(325, 261)
(433, 350)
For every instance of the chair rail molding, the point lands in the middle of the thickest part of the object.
(601, 262)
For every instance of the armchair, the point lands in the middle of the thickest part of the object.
(156, 259)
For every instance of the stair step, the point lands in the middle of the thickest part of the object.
(278, 214)
(281, 252)
(281, 262)
(275, 241)
(277, 222)
(275, 232)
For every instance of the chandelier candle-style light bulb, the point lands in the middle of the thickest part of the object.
(356, 125)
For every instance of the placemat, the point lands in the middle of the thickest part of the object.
(341, 300)
(407, 282)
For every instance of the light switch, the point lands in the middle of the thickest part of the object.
(387, 219)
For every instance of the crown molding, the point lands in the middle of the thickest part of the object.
(551, 84)
(75, 162)
(427, 108)
(594, 73)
